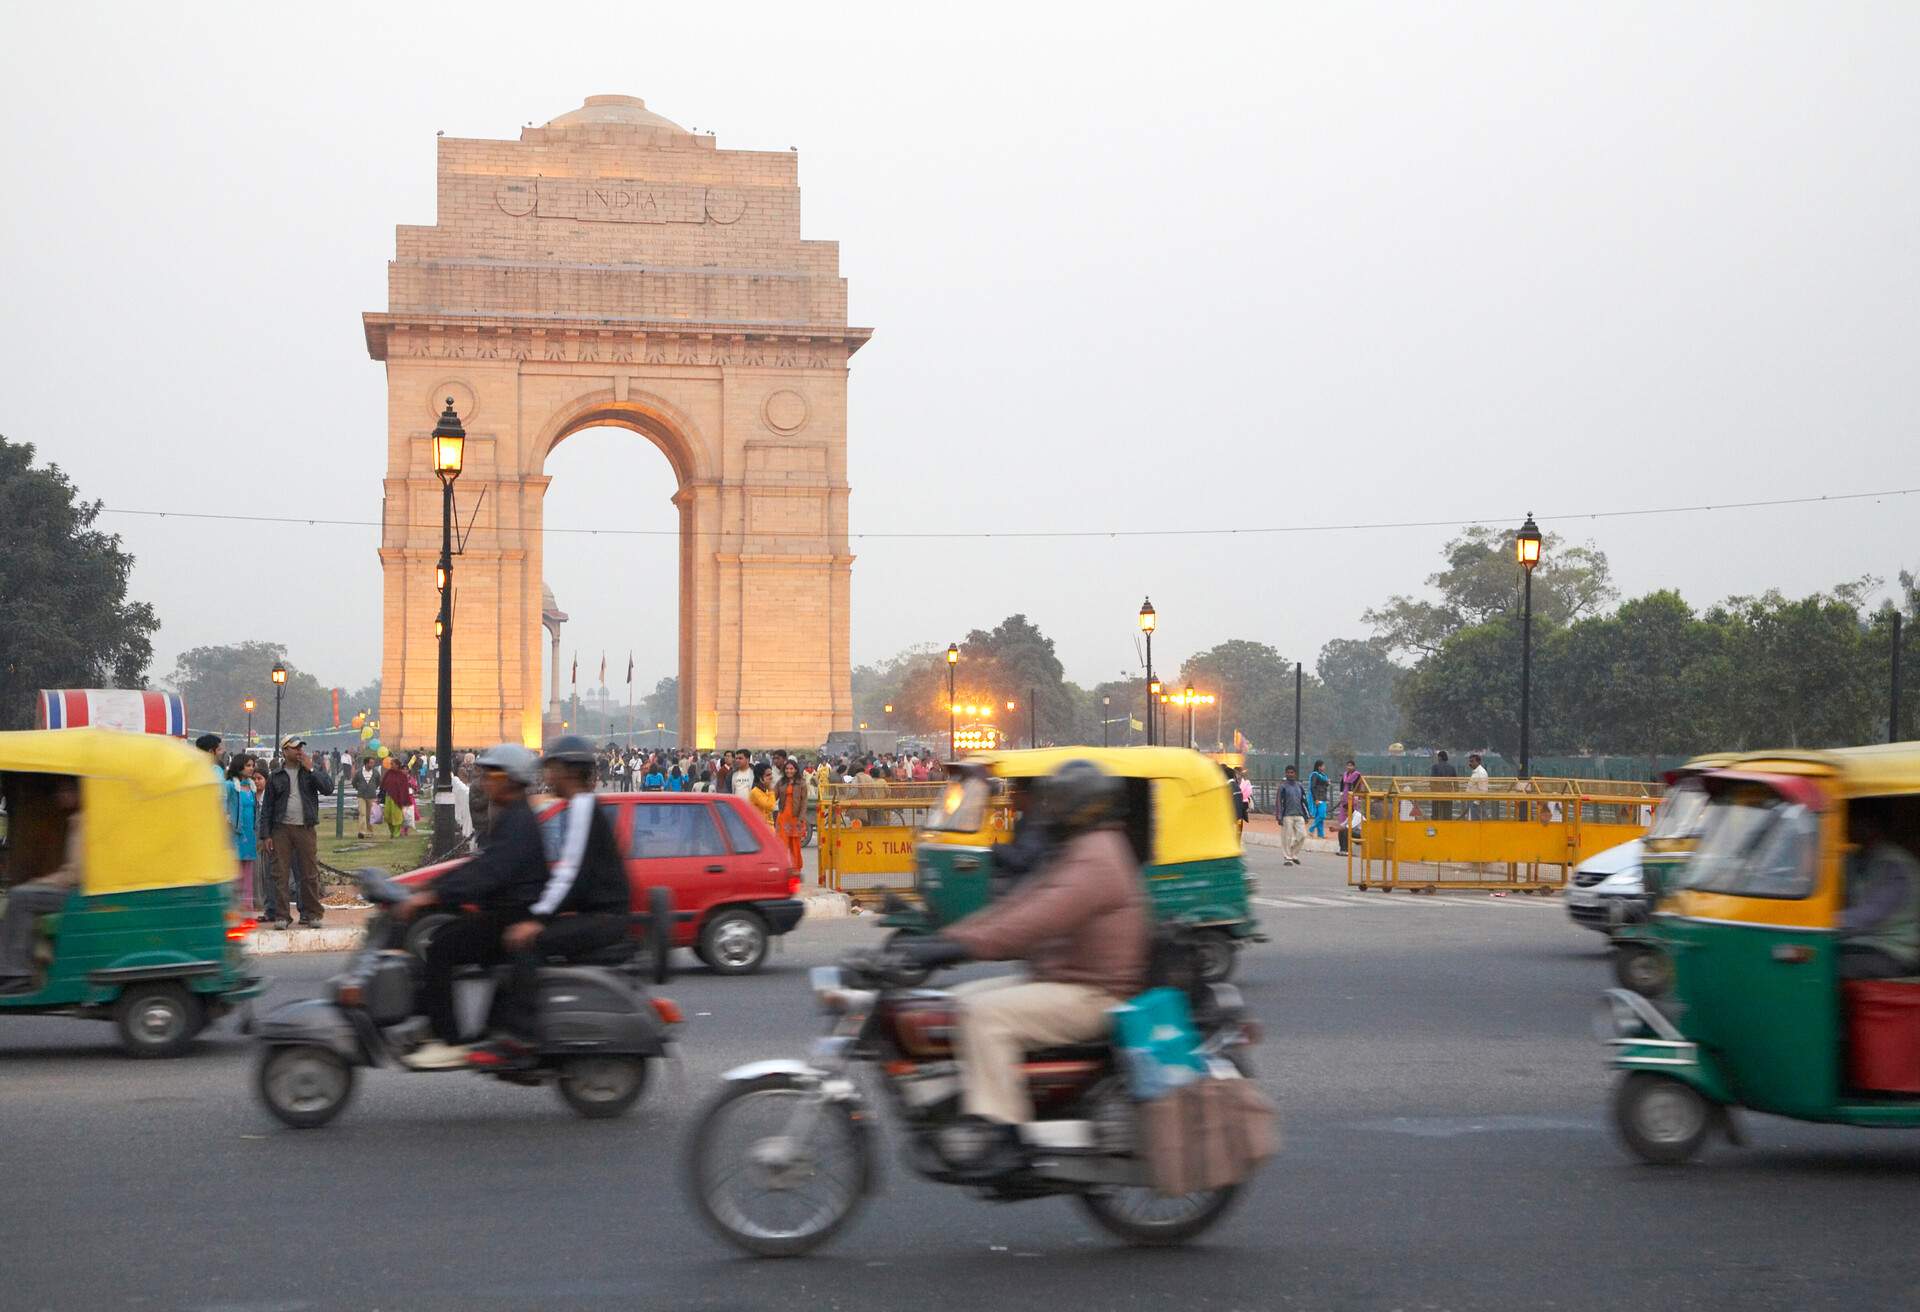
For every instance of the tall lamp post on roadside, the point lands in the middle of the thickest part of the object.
(1149, 621)
(248, 703)
(1106, 721)
(1156, 718)
(279, 677)
(953, 659)
(449, 452)
(1526, 550)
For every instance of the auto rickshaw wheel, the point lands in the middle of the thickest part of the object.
(1214, 955)
(303, 1084)
(1663, 1120)
(158, 1020)
(1645, 970)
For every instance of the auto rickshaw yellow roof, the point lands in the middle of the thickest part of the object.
(1876, 770)
(150, 815)
(1192, 813)
(1176, 763)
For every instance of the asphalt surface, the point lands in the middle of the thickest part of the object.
(1446, 1146)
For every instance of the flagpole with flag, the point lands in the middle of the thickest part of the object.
(573, 682)
(629, 698)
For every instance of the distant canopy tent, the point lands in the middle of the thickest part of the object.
(129, 710)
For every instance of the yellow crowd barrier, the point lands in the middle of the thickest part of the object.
(867, 833)
(1428, 834)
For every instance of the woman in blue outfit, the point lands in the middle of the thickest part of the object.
(1318, 786)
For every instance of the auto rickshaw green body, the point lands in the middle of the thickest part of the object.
(1178, 813)
(1757, 1017)
(150, 937)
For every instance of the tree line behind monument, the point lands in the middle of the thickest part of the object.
(1649, 677)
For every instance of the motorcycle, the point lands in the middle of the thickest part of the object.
(783, 1155)
(598, 1030)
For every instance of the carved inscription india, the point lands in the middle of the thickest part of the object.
(618, 200)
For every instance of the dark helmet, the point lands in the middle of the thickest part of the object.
(1079, 796)
(570, 750)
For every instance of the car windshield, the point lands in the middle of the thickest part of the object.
(962, 807)
(1681, 811)
(1754, 843)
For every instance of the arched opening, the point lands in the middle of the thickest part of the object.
(612, 555)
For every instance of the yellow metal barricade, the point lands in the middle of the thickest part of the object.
(1428, 834)
(867, 834)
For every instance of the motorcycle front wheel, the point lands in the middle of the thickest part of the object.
(1141, 1216)
(769, 1180)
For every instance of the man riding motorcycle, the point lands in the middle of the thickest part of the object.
(527, 912)
(1081, 922)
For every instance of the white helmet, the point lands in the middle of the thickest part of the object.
(512, 760)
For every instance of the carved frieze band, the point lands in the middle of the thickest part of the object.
(614, 346)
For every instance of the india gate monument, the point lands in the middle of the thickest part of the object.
(612, 269)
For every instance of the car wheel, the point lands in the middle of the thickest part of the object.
(735, 941)
(304, 1084)
(1646, 970)
(1662, 1120)
(158, 1020)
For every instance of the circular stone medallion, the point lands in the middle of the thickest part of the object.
(465, 404)
(785, 411)
(725, 205)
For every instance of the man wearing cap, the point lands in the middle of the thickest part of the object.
(293, 809)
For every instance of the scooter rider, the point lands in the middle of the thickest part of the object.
(1081, 923)
(504, 881)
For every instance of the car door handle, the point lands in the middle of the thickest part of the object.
(967, 863)
(716, 870)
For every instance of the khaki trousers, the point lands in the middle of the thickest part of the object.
(296, 843)
(1001, 1020)
(1293, 836)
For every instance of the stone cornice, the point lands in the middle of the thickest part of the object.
(610, 341)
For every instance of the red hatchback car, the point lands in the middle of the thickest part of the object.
(732, 887)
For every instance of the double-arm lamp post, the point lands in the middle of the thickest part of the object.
(1526, 550)
(449, 451)
(279, 677)
(953, 659)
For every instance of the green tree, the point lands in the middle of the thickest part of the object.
(1466, 694)
(883, 683)
(661, 706)
(1481, 581)
(215, 681)
(1247, 677)
(63, 592)
(1361, 685)
(1786, 672)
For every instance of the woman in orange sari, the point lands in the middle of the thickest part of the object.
(790, 811)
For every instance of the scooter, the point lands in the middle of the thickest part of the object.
(598, 1029)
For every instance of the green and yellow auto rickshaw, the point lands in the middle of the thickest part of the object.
(1760, 1016)
(148, 937)
(1178, 814)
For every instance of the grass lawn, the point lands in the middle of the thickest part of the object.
(350, 853)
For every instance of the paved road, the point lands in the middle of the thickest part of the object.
(1443, 1102)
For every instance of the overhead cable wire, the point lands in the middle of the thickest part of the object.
(987, 534)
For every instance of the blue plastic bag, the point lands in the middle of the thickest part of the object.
(1159, 1047)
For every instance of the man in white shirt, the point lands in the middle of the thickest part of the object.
(1476, 783)
(742, 774)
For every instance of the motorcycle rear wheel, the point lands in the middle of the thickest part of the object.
(742, 1196)
(600, 1088)
(1141, 1217)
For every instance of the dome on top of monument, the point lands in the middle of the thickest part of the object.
(616, 111)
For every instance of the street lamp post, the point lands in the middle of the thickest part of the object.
(1154, 719)
(1526, 550)
(1149, 620)
(1106, 720)
(953, 659)
(449, 451)
(279, 677)
(1190, 704)
(248, 703)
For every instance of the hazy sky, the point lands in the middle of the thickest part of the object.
(1170, 266)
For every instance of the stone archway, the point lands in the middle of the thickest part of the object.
(611, 269)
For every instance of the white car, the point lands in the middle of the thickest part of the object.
(1607, 891)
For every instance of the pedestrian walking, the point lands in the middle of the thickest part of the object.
(366, 787)
(243, 819)
(1477, 784)
(293, 811)
(1350, 780)
(396, 799)
(1290, 809)
(1239, 799)
(760, 791)
(1318, 786)
(745, 773)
